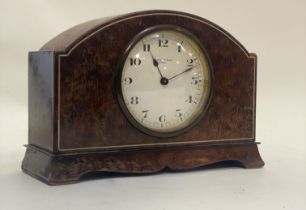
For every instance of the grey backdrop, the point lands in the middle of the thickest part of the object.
(275, 30)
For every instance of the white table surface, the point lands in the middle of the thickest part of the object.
(275, 30)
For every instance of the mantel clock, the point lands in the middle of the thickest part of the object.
(138, 93)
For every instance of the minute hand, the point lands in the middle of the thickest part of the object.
(189, 69)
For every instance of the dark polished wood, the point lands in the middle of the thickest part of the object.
(63, 169)
(74, 112)
(41, 99)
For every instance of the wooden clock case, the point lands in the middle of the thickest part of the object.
(76, 125)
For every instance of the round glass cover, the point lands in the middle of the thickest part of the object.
(165, 82)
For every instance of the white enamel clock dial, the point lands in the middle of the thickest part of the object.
(165, 82)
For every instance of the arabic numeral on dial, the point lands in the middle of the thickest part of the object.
(146, 47)
(145, 113)
(191, 100)
(135, 61)
(179, 46)
(190, 62)
(127, 80)
(162, 118)
(163, 42)
(179, 114)
(134, 100)
(195, 80)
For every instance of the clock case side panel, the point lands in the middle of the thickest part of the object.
(41, 106)
(254, 57)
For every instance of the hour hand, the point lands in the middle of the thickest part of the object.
(155, 63)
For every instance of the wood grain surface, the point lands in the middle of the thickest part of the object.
(76, 125)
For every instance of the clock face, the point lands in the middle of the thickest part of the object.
(165, 81)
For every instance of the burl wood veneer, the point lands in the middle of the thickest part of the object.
(76, 125)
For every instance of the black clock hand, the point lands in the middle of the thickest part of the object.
(189, 69)
(155, 63)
